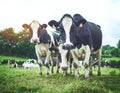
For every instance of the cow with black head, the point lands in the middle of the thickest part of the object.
(44, 43)
(78, 36)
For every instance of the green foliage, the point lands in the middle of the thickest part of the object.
(109, 51)
(114, 62)
(16, 44)
(118, 44)
(11, 57)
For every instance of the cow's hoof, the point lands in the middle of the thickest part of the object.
(47, 74)
(86, 78)
(52, 72)
(40, 74)
(87, 75)
(99, 74)
(91, 74)
(57, 71)
(76, 76)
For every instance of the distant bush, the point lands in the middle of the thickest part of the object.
(102, 63)
(113, 63)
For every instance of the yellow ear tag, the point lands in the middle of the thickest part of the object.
(81, 25)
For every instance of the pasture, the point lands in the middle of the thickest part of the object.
(19, 80)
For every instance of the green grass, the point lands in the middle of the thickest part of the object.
(2, 57)
(112, 58)
(21, 80)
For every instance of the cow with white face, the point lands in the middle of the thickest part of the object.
(43, 43)
(78, 35)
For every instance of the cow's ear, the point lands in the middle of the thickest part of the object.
(25, 26)
(53, 24)
(43, 26)
(99, 26)
(79, 20)
(81, 23)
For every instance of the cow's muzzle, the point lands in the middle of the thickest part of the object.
(35, 41)
(67, 46)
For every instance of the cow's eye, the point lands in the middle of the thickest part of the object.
(39, 33)
(58, 28)
(31, 32)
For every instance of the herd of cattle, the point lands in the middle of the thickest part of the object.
(71, 38)
(30, 63)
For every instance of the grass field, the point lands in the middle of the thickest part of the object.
(19, 80)
(11, 57)
(112, 58)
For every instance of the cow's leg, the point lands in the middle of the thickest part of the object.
(75, 64)
(40, 66)
(86, 60)
(64, 65)
(48, 55)
(70, 63)
(58, 65)
(91, 66)
(52, 64)
(58, 62)
(39, 59)
(99, 61)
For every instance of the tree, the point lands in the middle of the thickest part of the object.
(118, 44)
(16, 44)
(115, 52)
(9, 39)
(9, 35)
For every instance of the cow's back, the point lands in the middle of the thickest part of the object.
(96, 35)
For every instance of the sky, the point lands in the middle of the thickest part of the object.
(106, 13)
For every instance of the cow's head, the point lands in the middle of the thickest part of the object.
(36, 30)
(64, 26)
(68, 27)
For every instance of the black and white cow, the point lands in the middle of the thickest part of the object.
(78, 35)
(19, 63)
(54, 26)
(12, 63)
(31, 61)
(44, 43)
(5, 62)
(107, 63)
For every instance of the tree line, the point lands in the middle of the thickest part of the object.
(110, 51)
(18, 44)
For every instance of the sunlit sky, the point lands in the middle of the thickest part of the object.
(106, 13)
